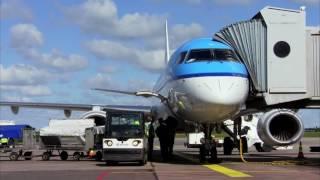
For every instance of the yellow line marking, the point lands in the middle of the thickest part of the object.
(227, 171)
(218, 168)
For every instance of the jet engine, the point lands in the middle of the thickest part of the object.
(98, 116)
(280, 127)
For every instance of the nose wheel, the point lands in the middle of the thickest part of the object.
(208, 148)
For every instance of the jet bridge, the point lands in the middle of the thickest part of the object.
(282, 57)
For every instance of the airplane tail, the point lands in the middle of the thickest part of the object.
(167, 53)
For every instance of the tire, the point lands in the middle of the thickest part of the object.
(13, 156)
(98, 156)
(64, 155)
(111, 163)
(202, 154)
(27, 155)
(76, 156)
(227, 146)
(142, 162)
(46, 156)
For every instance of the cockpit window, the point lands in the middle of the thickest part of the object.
(224, 54)
(199, 55)
(182, 57)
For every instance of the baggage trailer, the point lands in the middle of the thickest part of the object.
(125, 138)
(72, 135)
(13, 150)
(61, 144)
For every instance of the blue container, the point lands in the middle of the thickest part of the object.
(13, 131)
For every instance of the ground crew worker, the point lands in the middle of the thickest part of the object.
(162, 133)
(4, 141)
(136, 122)
(151, 135)
(172, 125)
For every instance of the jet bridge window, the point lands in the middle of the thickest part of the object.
(281, 49)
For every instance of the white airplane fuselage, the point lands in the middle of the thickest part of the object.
(203, 91)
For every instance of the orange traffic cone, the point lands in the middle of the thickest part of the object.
(300, 154)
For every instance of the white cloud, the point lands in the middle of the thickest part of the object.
(217, 2)
(108, 69)
(15, 9)
(25, 36)
(21, 74)
(152, 60)
(27, 90)
(57, 60)
(23, 81)
(178, 34)
(100, 81)
(233, 2)
(101, 17)
(27, 40)
(308, 2)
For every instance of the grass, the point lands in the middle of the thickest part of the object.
(222, 135)
(312, 134)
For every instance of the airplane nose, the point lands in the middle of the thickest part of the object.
(219, 90)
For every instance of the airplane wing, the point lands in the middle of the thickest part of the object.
(68, 108)
(145, 94)
(75, 107)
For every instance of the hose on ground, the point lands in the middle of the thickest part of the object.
(241, 151)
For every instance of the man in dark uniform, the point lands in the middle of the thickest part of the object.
(151, 135)
(162, 133)
(172, 125)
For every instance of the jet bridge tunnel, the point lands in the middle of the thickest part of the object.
(282, 56)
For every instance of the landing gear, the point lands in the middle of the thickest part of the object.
(228, 146)
(208, 148)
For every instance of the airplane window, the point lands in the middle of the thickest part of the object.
(199, 55)
(182, 57)
(224, 54)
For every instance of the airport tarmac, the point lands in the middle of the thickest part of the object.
(184, 165)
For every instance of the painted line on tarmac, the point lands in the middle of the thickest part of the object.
(217, 168)
(227, 171)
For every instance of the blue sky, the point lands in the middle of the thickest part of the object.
(55, 51)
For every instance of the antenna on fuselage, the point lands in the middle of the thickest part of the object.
(167, 53)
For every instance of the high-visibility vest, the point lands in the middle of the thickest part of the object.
(4, 140)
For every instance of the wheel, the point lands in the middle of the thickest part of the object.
(64, 155)
(258, 147)
(202, 154)
(111, 163)
(76, 156)
(227, 146)
(142, 162)
(46, 156)
(13, 156)
(213, 154)
(27, 155)
(98, 156)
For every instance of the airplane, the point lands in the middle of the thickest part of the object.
(205, 83)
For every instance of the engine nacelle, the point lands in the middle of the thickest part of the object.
(98, 116)
(280, 127)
